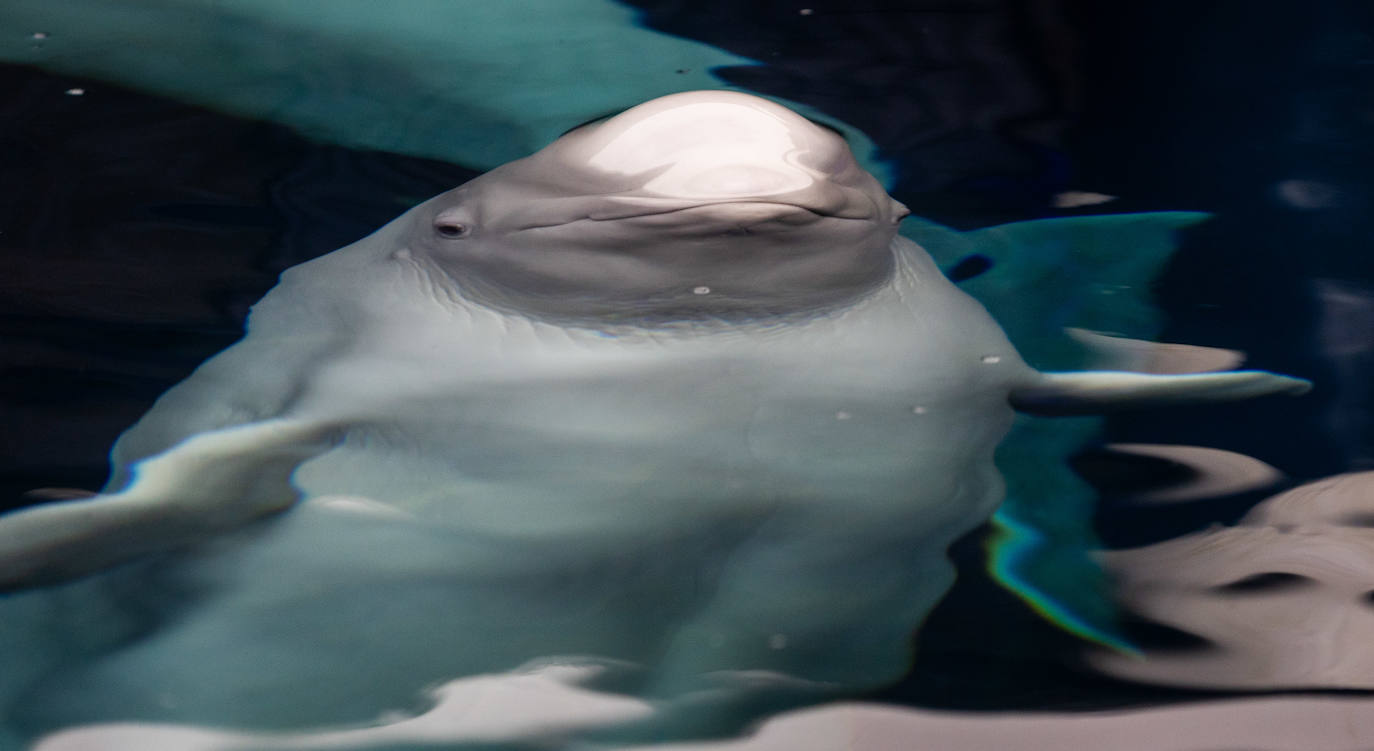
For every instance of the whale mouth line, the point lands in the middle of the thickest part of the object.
(735, 212)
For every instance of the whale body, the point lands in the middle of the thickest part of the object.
(670, 395)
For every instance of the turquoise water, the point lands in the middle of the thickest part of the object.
(167, 160)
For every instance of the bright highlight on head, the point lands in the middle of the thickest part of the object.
(709, 148)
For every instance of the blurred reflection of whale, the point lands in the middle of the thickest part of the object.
(511, 704)
(1284, 599)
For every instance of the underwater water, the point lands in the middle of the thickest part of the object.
(1189, 577)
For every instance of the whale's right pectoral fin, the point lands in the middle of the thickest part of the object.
(1100, 392)
(205, 485)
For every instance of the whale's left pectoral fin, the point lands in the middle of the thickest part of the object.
(206, 485)
(1099, 392)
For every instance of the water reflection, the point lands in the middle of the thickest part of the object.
(1262, 724)
(1279, 600)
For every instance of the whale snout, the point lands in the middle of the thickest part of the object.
(702, 148)
(743, 180)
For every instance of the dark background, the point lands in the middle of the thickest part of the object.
(135, 232)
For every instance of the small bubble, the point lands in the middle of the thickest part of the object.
(806, 11)
(701, 290)
(75, 92)
(842, 415)
(40, 35)
(918, 410)
(992, 359)
(777, 641)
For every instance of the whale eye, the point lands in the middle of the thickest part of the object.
(451, 229)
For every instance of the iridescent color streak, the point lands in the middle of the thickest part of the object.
(1009, 547)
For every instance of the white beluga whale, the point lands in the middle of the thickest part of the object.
(669, 395)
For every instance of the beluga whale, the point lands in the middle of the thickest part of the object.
(670, 396)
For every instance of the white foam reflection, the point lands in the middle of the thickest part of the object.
(1281, 598)
(1266, 724)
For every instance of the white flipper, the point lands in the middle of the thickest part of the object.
(1098, 392)
(207, 484)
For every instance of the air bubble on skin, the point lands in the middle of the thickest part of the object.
(701, 290)
(401, 254)
(842, 415)
(991, 359)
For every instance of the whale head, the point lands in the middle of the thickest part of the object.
(706, 203)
